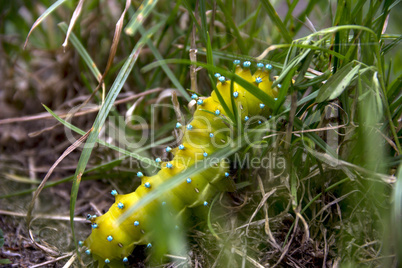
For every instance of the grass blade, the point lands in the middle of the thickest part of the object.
(277, 21)
(397, 212)
(168, 72)
(134, 155)
(83, 53)
(204, 26)
(74, 18)
(139, 16)
(43, 16)
(232, 25)
(337, 83)
(391, 45)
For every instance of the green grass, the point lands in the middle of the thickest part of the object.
(336, 124)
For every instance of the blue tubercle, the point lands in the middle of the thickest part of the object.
(276, 99)
(178, 125)
(136, 223)
(227, 174)
(120, 205)
(279, 85)
(205, 203)
(236, 62)
(168, 149)
(211, 135)
(80, 243)
(268, 67)
(260, 65)
(147, 185)
(259, 122)
(158, 160)
(188, 180)
(205, 154)
(125, 259)
(88, 252)
(163, 203)
(189, 127)
(262, 105)
(181, 147)
(200, 102)
(139, 174)
(246, 64)
(235, 94)
(194, 96)
(149, 245)
(113, 192)
(169, 165)
(94, 225)
(109, 238)
(217, 75)
(222, 79)
(217, 112)
(107, 261)
(258, 80)
(246, 118)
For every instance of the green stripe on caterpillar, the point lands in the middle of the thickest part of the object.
(111, 243)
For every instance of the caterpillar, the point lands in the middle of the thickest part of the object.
(111, 243)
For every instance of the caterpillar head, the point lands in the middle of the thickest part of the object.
(252, 105)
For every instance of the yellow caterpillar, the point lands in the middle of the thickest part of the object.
(111, 243)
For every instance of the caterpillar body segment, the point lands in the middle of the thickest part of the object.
(110, 243)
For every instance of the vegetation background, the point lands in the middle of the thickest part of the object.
(337, 125)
